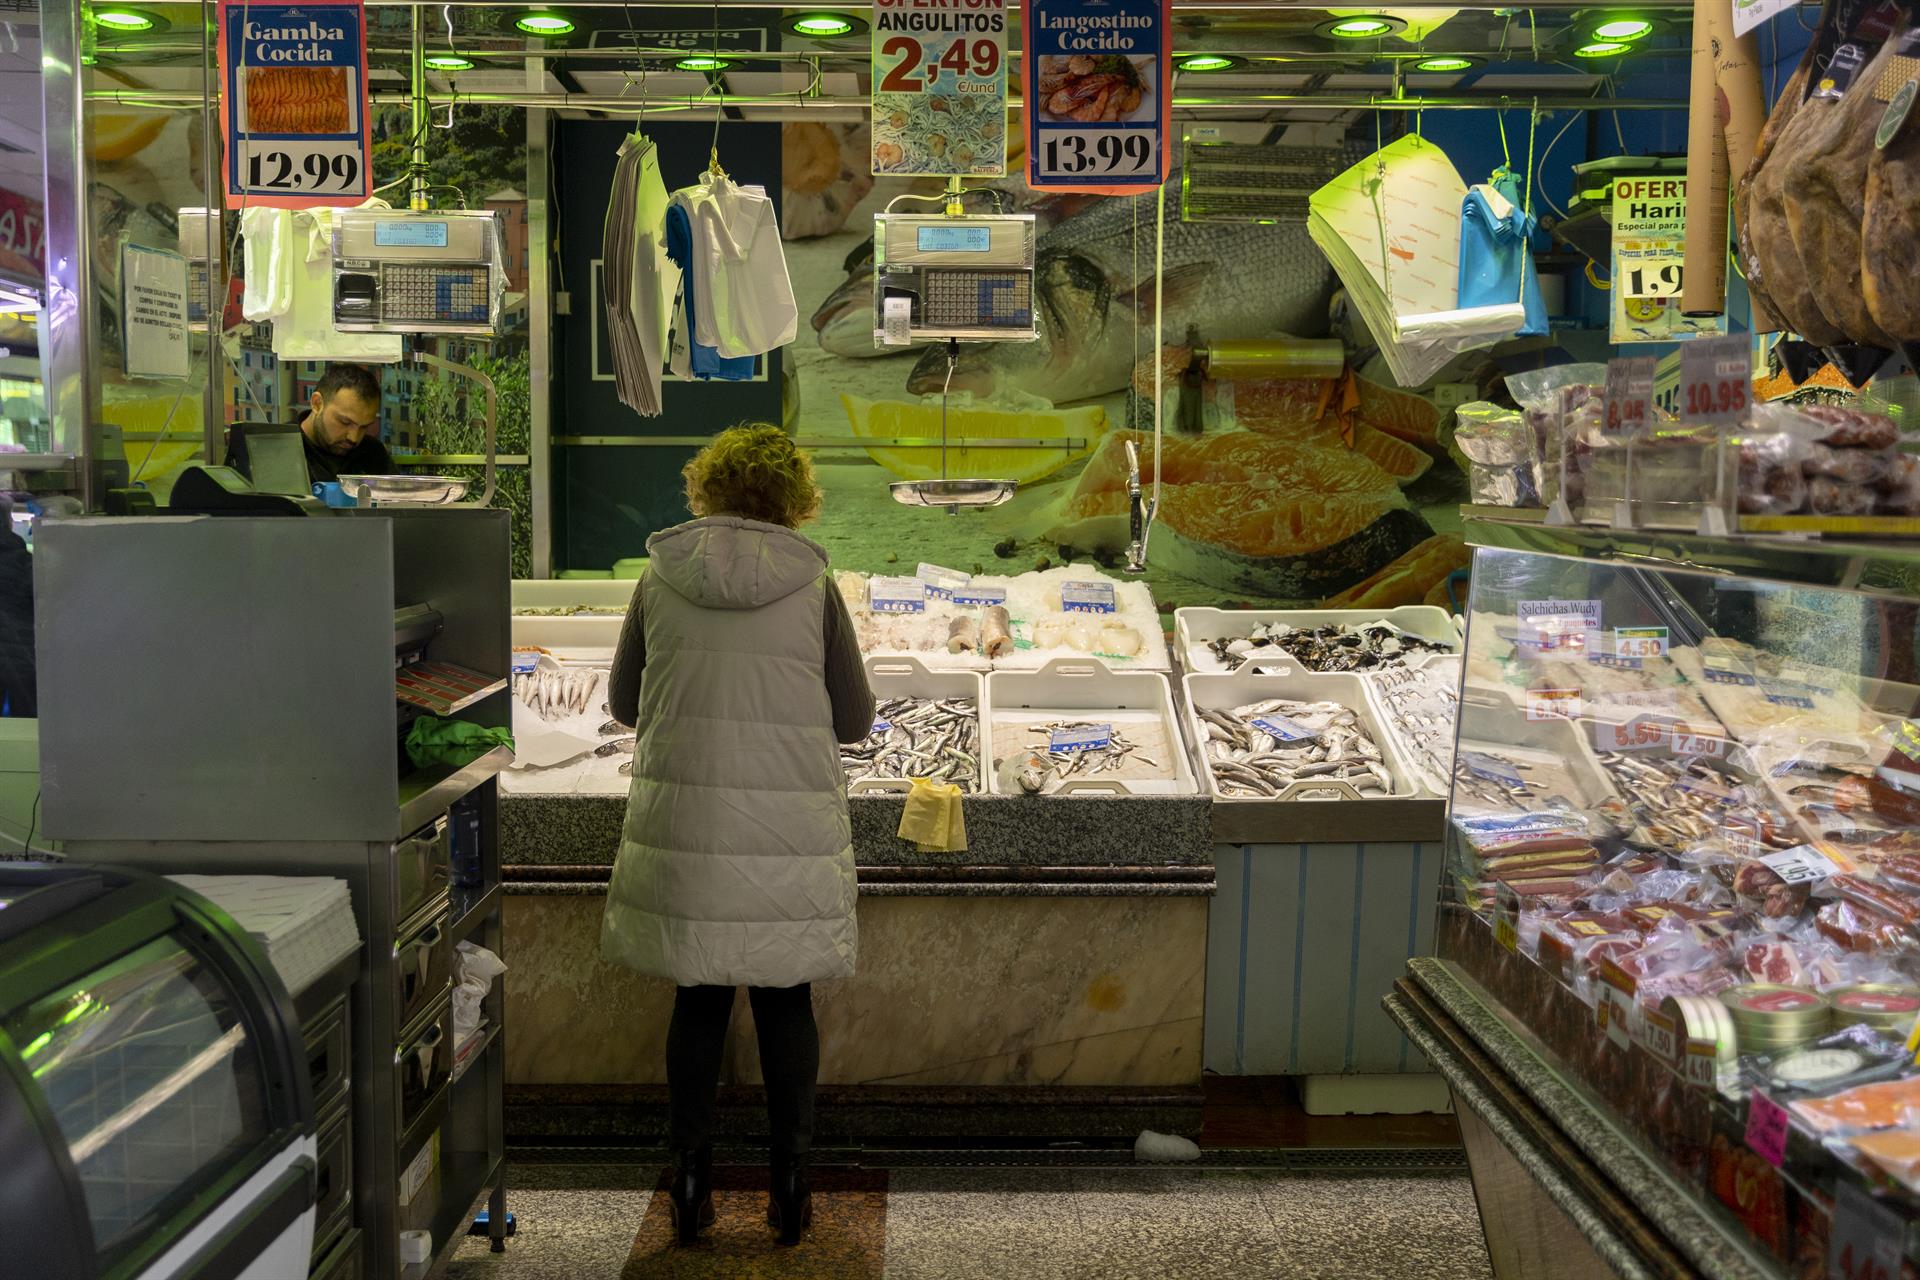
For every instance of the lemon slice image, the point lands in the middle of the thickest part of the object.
(120, 135)
(883, 420)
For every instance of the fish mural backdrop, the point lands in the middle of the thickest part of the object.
(1297, 491)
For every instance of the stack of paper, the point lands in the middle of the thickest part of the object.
(1390, 226)
(637, 281)
(304, 923)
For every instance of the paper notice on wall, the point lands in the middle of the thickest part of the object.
(1649, 240)
(153, 310)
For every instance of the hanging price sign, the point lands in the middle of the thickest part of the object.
(1716, 380)
(1097, 80)
(940, 88)
(294, 103)
(1649, 238)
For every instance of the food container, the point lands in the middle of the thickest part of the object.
(414, 489)
(1222, 692)
(1882, 1006)
(589, 637)
(1553, 757)
(1086, 689)
(909, 678)
(1195, 628)
(1767, 1016)
(1705, 1020)
(595, 593)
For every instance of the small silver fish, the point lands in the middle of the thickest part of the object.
(615, 747)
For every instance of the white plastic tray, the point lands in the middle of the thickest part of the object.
(594, 633)
(1493, 724)
(557, 593)
(891, 677)
(1194, 627)
(1222, 691)
(1377, 701)
(1082, 688)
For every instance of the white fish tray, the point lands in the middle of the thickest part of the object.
(1223, 691)
(1193, 628)
(1377, 702)
(1491, 723)
(581, 633)
(895, 677)
(556, 593)
(1081, 688)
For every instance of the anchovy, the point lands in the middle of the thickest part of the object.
(1329, 648)
(1263, 748)
(615, 747)
(1421, 704)
(935, 738)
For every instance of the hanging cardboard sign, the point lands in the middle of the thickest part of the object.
(940, 88)
(294, 104)
(1097, 75)
(1649, 245)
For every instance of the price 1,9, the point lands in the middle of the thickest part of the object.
(303, 170)
(1097, 152)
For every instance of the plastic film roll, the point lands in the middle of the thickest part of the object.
(1246, 359)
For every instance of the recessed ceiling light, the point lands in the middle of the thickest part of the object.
(123, 19)
(703, 63)
(543, 24)
(1369, 27)
(1445, 62)
(1207, 62)
(1602, 49)
(1623, 29)
(824, 26)
(448, 62)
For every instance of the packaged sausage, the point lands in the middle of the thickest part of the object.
(1854, 466)
(1829, 497)
(1846, 428)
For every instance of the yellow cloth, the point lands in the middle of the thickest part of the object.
(932, 817)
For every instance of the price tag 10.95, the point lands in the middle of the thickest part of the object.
(1865, 1243)
(1716, 380)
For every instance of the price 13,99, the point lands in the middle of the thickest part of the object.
(1087, 153)
(303, 168)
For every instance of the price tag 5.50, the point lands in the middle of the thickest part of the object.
(1097, 153)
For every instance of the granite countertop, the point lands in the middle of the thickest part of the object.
(1091, 835)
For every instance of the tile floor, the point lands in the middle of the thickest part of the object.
(583, 1222)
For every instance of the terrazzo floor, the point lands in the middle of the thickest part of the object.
(588, 1222)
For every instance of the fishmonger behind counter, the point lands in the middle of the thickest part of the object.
(339, 435)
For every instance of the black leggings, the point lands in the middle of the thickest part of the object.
(789, 1062)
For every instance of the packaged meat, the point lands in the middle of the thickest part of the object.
(1846, 428)
(1504, 449)
(1883, 899)
(1860, 466)
(1861, 929)
(1895, 1152)
(1885, 1105)
(1545, 397)
(1829, 497)
(1762, 888)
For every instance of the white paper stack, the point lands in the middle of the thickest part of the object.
(1390, 226)
(304, 923)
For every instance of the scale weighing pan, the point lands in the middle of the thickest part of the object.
(425, 490)
(953, 493)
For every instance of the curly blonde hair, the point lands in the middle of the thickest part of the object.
(753, 471)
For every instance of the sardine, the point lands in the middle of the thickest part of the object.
(1322, 742)
(615, 747)
(921, 738)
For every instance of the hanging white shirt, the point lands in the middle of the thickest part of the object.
(743, 299)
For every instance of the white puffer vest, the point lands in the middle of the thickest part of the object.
(736, 861)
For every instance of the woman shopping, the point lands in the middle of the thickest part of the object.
(739, 668)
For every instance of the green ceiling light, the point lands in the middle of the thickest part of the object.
(449, 62)
(1360, 28)
(703, 62)
(1623, 29)
(543, 24)
(123, 19)
(1207, 62)
(1445, 62)
(824, 26)
(1602, 49)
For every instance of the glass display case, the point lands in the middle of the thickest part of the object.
(1681, 856)
(157, 1100)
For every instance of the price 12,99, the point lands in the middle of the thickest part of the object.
(304, 168)
(1088, 153)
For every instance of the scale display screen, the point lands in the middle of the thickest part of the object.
(409, 232)
(954, 239)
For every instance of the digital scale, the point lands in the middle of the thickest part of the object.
(966, 278)
(402, 271)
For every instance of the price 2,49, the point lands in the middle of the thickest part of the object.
(1725, 395)
(978, 60)
(1112, 152)
(313, 171)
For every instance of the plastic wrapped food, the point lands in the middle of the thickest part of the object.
(1900, 487)
(1855, 466)
(1846, 428)
(1545, 396)
(1886, 1105)
(1829, 497)
(1504, 450)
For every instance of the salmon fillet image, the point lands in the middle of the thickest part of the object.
(297, 100)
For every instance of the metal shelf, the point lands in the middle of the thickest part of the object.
(1847, 563)
(467, 1178)
(471, 906)
(488, 1039)
(428, 793)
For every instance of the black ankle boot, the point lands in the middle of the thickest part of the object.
(790, 1201)
(691, 1192)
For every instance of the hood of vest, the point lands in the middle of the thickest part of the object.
(724, 562)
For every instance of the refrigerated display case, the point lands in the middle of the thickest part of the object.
(157, 1119)
(1678, 945)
